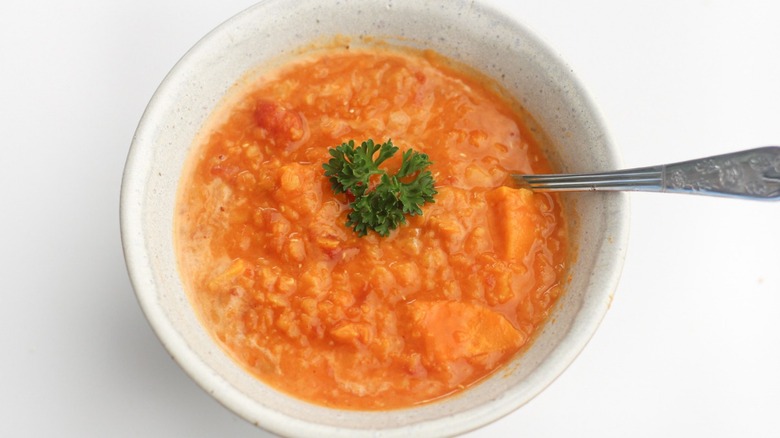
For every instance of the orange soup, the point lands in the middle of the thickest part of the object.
(306, 305)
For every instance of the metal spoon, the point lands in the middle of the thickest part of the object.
(750, 174)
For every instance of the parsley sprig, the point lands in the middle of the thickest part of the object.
(384, 207)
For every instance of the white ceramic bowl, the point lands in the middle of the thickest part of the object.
(463, 30)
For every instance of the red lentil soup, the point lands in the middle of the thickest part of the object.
(307, 306)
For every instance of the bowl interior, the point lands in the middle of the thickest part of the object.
(464, 31)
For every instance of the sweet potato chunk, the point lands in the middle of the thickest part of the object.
(457, 330)
(514, 221)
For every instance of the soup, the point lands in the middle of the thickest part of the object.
(312, 308)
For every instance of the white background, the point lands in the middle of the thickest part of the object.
(690, 347)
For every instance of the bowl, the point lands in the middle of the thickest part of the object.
(469, 33)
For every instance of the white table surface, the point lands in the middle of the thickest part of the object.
(690, 347)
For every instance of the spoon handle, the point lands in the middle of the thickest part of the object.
(750, 174)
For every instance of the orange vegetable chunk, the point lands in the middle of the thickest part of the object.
(456, 330)
(514, 220)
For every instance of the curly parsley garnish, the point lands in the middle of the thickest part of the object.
(383, 207)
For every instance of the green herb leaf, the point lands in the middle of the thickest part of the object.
(384, 207)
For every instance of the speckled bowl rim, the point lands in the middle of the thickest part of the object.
(177, 110)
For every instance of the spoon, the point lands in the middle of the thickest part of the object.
(749, 174)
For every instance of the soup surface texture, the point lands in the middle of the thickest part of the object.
(306, 305)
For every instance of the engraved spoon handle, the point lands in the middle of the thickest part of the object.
(750, 174)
